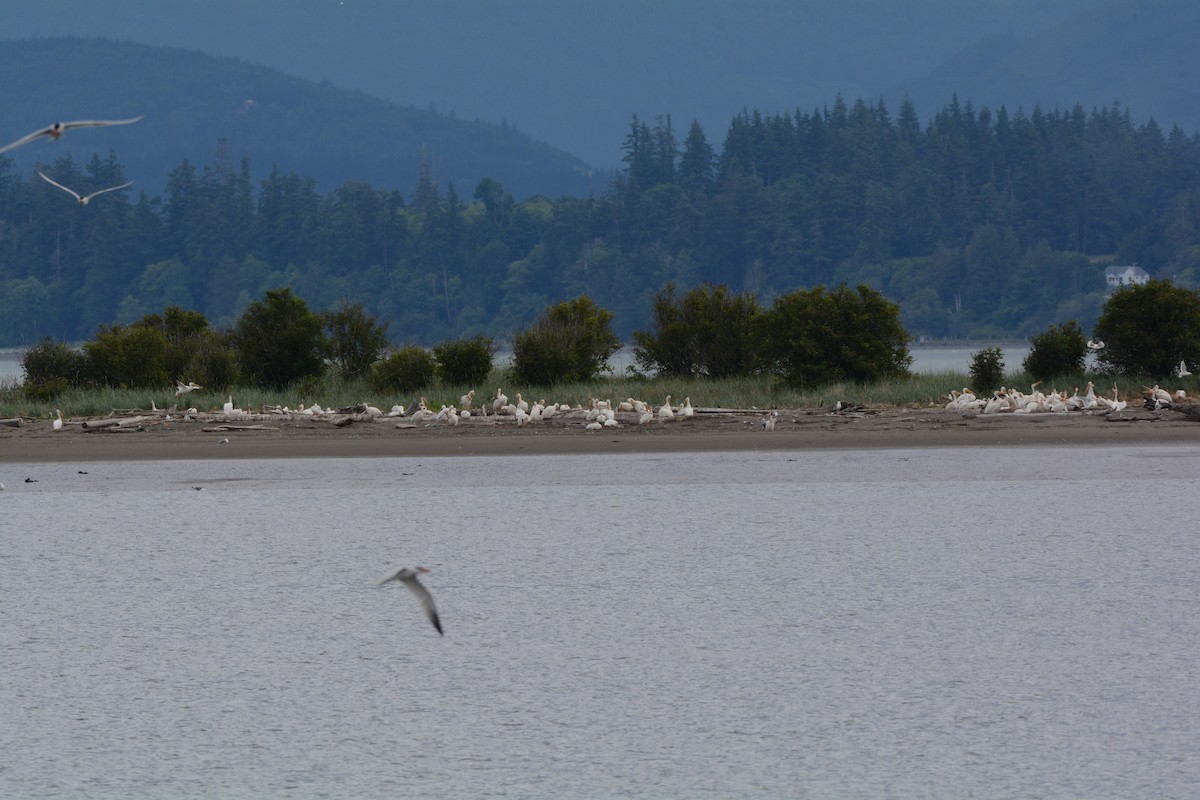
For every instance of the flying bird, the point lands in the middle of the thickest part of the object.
(1095, 344)
(182, 388)
(83, 201)
(56, 130)
(408, 576)
(1183, 371)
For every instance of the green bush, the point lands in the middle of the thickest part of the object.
(987, 369)
(571, 341)
(708, 332)
(278, 340)
(195, 352)
(463, 362)
(52, 367)
(1148, 329)
(815, 337)
(405, 370)
(1058, 350)
(127, 357)
(356, 339)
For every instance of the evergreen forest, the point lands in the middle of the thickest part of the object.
(979, 224)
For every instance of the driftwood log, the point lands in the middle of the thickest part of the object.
(15, 422)
(115, 422)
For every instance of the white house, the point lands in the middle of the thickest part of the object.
(1125, 276)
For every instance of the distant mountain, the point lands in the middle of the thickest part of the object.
(1142, 53)
(209, 109)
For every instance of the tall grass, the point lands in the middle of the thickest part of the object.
(914, 391)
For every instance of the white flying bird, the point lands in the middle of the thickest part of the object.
(1095, 344)
(408, 576)
(56, 130)
(83, 201)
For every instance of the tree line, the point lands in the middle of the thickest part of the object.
(979, 224)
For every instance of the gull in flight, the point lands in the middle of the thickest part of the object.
(56, 130)
(1095, 344)
(1182, 372)
(408, 576)
(83, 201)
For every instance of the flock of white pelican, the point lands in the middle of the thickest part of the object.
(1014, 401)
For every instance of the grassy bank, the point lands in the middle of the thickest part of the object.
(915, 391)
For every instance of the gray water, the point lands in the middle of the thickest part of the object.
(924, 623)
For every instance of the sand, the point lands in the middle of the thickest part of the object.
(725, 430)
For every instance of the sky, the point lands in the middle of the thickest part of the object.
(570, 72)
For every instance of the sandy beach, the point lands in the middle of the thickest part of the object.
(724, 430)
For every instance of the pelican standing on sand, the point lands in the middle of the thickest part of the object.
(57, 130)
(58, 423)
(84, 200)
(409, 577)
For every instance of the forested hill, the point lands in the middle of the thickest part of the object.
(192, 102)
(982, 223)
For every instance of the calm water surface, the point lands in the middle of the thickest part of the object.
(924, 623)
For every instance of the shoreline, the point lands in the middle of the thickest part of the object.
(710, 431)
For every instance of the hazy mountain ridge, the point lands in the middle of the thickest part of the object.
(192, 100)
(1140, 53)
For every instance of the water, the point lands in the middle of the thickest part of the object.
(939, 623)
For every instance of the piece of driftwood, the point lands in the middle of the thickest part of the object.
(1191, 411)
(219, 428)
(115, 422)
(15, 422)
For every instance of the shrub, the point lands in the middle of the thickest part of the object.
(571, 341)
(356, 339)
(278, 340)
(464, 361)
(127, 357)
(405, 370)
(987, 369)
(1147, 329)
(707, 332)
(813, 337)
(1058, 350)
(52, 367)
(195, 352)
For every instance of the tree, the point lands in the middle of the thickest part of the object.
(405, 370)
(1148, 329)
(278, 340)
(356, 339)
(571, 341)
(987, 368)
(709, 331)
(464, 361)
(127, 356)
(814, 337)
(1058, 350)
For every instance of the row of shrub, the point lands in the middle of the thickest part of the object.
(805, 338)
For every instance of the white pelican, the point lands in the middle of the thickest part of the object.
(500, 402)
(769, 420)
(228, 407)
(522, 404)
(397, 411)
(182, 388)
(1182, 372)
(466, 400)
(84, 200)
(646, 418)
(665, 411)
(1095, 344)
(594, 425)
(1117, 405)
(687, 410)
(408, 576)
(56, 130)
(58, 423)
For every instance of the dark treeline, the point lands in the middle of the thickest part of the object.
(980, 224)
